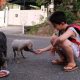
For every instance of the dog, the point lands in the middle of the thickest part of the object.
(18, 45)
(3, 49)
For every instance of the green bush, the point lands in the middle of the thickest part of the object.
(70, 15)
(33, 29)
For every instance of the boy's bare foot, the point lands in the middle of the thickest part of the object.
(70, 67)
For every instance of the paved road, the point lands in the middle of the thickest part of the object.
(36, 67)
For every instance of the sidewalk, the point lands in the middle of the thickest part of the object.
(11, 29)
(17, 31)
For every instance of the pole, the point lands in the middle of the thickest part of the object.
(52, 2)
(22, 20)
(24, 4)
(6, 16)
(23, 28)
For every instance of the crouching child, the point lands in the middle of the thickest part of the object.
(66, 44)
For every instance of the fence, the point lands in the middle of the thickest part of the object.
(22, 17)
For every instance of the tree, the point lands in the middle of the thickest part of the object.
(41, 2)
(65, 7)
(76, 7)
(2, 4)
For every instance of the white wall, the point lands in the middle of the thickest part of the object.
(2, 18)
(22, 17)
(14, 17)
(32, 17)
(26, 17)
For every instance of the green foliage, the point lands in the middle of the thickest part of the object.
(60, 8)
(42, 29)
(70, 16)
(33, 29)
(42, 2)
(39, 2)
(76, 6)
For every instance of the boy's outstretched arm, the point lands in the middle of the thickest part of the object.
(48, 48)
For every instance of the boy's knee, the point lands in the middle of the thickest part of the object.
(53, 38)
(66, 43)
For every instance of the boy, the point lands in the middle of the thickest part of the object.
(61, 44)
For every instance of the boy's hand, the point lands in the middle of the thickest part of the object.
(39, 51)
(53, 50)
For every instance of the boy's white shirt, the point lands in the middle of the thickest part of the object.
(77, 36)
(71, 32)
(75, 47)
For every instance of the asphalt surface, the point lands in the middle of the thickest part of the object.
(36, 67)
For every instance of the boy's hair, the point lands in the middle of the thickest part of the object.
(57, 17)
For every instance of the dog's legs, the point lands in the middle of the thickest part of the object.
(5, 57)
(22, 54)
(3, 62)
(5, 53)
(14, 54)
